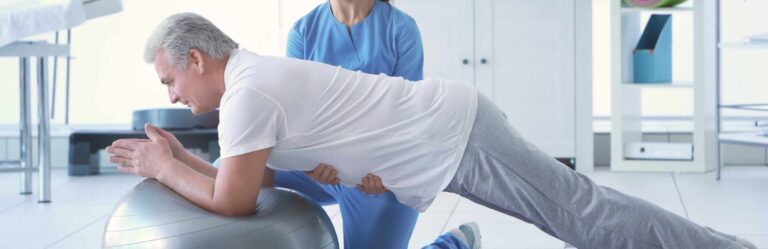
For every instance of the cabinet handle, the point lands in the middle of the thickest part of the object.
(483, 61)
(465, 61)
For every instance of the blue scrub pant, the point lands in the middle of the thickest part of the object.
(378, 221)
(447, 241)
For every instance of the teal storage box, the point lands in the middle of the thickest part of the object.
(652, 58)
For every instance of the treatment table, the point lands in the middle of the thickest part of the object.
(23, 18)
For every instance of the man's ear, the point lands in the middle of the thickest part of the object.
(196, 60)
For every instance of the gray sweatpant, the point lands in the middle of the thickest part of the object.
(502, 171)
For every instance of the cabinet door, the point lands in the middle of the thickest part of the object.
(529, 72)
(446, 32)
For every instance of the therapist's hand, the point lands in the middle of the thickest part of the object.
(372, 185)
(324, 173)
(142, 157)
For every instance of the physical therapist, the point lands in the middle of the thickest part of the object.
(374, 37)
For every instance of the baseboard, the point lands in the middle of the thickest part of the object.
(733, 154)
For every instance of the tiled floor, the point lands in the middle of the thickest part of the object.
(80, 206)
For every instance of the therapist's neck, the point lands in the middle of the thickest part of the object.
(350, 12)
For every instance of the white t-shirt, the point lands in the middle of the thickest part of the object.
(411, 134)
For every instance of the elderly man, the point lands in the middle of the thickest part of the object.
(420, 139)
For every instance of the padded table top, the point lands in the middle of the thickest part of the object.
(23, 18)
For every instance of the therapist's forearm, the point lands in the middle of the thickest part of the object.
(198, 164)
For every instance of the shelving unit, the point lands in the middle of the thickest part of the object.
(744, 45)
(626, 99)
(755, 137)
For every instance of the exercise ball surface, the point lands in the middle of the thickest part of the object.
(154, 216)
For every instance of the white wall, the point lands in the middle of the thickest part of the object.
(744, 70)
(110, 80)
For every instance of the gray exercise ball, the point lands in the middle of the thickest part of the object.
(154, 216)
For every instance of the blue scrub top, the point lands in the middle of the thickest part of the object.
(386, 41)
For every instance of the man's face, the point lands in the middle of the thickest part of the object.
(187, 86)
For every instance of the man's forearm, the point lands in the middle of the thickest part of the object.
(269, 178)
(198, 164)
(189, 183)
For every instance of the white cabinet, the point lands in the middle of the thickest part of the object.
(447, 28)
(522, 54)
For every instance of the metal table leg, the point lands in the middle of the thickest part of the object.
(43, 136)
(25, 120)
(25, 51)
(719, 160)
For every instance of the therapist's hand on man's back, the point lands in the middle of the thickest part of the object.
(372, 185)
(325, 174)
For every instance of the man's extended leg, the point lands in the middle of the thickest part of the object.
(502, 171)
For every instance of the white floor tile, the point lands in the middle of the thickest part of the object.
(14, 242)
(95, 229)
(77, 202)
(339, 226)
(77, 215)
(428, 227)
(78, 243)
(735, 204)
(444, 202)
(332, 211)
(12, 200)
(10, 182)
(90, 236)
(761, 241)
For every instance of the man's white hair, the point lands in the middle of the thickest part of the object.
(181, 32)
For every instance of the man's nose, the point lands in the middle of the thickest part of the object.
(174, 98)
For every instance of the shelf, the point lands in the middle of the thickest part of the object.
(672, 10)
(748, 138)
(745, 45)
(683, 85)
(749, 107)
